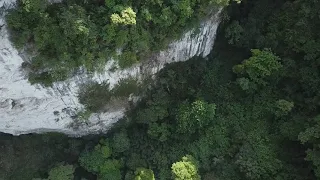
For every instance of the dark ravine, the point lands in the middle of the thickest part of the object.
(30, 155)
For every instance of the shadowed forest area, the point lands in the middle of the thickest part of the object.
(248, 111)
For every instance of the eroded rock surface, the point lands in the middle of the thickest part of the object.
(26, 108)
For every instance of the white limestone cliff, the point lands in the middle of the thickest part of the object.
(26, 108)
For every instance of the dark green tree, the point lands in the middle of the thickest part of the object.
(120, 142)
(62, 172)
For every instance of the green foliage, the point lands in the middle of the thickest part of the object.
(135, 160)
(260, 123)
(127, 59)
(244, 83)
(32, 156)
(258, 161)
(62, 172)
(261, 65)
(110, 170)
(128, 17)
(84, 115)
(195, 116)
(93, 160)
(312, 135)
(120, 142)
(125, 87)
(34, 5)
(283, 107)
(233, 32)
(100, 162)
(74, 34)
(187, 169)
(144, 174)
(95, 96)
(313, 156)
(45, 78)
(156, 110)
(159, 131)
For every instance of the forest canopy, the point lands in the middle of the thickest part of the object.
(250, 111)
(62, 37)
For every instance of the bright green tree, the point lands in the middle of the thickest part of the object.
(187, 169)
(262, 64)
(144, 174)
(127, 17)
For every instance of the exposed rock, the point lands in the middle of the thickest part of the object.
(26, 108)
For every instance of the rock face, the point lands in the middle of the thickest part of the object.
(26, 108)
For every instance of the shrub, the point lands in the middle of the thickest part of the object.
(125, 87)
(94, 96)
(127, 59)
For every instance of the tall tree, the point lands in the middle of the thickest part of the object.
(187, 169)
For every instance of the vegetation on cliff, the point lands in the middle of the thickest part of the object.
(65, 36)
(251, 111)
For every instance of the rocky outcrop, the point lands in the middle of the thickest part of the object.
(26, 108)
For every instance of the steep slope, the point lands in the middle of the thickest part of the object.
(27, 108)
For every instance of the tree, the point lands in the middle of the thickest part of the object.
(127, 59)
(120, 142)
(167, 17)
(187, 169)
(147, 15)
(259, 66)
(233, 32)
(93, 160)
(127, 17)
(95, 96)
(283, 107)
(135, 161)
(90, 27)
(144, 174)
(257, 160)
(159, 131)
(185, 9)
(194, 116)
(110, 3)
(62, 172)
(36, 6)
(311, 135)
(99, 161)
(157, 109)
(110, 170)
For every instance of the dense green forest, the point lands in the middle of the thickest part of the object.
(250, 110)
(64, 36)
